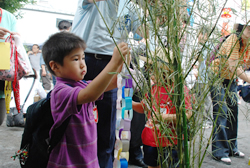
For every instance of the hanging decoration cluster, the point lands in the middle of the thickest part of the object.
(124, 116)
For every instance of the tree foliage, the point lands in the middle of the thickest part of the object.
(245, 5)
(14, 5)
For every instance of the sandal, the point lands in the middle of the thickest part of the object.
(239, 154)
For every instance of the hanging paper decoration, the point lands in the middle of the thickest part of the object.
(124, 116)
(124, 111)
(225, 26)
(226, 13)
(189, 8)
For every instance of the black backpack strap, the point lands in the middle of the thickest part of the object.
(57, 135)
(58, 132)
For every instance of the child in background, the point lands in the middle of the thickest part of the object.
(64, 55)
(161, 100)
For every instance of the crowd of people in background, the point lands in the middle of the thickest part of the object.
(74, 64)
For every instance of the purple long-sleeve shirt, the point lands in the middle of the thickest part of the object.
(78, 147)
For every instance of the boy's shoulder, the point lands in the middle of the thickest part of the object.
(67, 83)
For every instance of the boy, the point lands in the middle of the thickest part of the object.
(64, 55)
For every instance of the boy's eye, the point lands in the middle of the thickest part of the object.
(83, 58)
(76, 59)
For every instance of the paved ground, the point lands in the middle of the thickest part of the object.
(11, 136)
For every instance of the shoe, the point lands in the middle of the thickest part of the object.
(139, 163)
(239, 154)
(225, 160)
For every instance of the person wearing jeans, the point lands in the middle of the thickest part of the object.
(233, 55)
(225, 114)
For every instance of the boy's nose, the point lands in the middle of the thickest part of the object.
(82, 64)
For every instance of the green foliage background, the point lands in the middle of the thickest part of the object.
(14, 5)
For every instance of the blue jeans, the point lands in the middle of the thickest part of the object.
(107, 114)
(226, 128)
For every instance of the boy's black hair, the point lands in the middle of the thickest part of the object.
(60, 45)
(64, 25)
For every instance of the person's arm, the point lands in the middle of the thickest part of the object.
(15, 33)
(239, 71)
(3, 32)
(96, 88)
(42, 63)
(172, 117)
(138, 107)
(143, 31)
(29, 52)
(188, 107)
(169, 117)
(43, 70)
(113, 84)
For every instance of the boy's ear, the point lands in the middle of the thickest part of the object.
(54, 66)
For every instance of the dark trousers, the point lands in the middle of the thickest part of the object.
(167, 158)
(137, 125)
(226, 127)
(107, 114)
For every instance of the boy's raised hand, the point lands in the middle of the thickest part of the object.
(117, 58)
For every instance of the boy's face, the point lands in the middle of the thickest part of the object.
(74, 66)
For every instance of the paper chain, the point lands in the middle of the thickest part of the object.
(124, 115)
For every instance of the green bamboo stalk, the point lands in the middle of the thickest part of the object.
(180, 111)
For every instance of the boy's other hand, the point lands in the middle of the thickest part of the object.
(124, 51)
